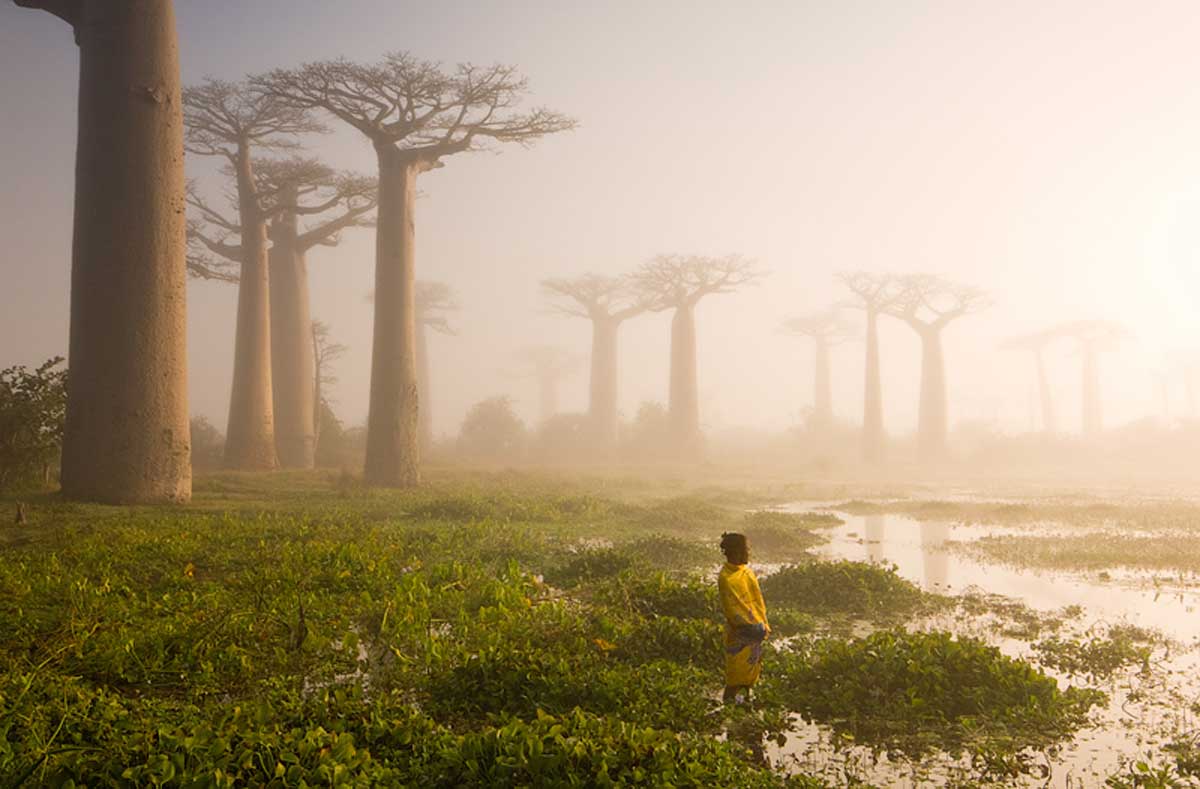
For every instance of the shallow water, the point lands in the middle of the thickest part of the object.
(919, 551)
(1142, 712)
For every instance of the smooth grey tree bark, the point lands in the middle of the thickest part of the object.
(127, 437)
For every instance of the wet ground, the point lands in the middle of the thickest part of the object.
(1145, 710)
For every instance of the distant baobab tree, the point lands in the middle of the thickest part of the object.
(1093, 337)
(1035, 344)
(607, 302)
(679, 283)
(230, 121)
(335, 201)
(928, 304)
(548, 365)
(414, 114)
(433, 301)
(874, 294)
(289, 188)
(826, 329)
(126, 436)
(324, 353)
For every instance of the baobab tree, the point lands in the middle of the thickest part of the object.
(607, 302)
(826, 329)
(415, 115)
(548, 365)
(1036, 345)
(928, 304)
(127, 436)
(228, 120)
(873, 294)
(1093, 337)
(336, 201)
(433, 301)
(324, 353)
(679, 283)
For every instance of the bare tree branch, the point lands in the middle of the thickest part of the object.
(228, 119)
(930, 302)
(596, 297)
(672, 281)
(829, 327)
(201, 265)
(872, 292)
(415, 107)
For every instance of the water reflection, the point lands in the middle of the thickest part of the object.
(920, 554)
(935, 559)
(873, 531)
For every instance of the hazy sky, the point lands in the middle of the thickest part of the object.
(1049, 153)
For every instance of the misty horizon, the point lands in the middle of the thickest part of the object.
(958, 140)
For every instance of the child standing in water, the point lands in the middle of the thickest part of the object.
(745, 618)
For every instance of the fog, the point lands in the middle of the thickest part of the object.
(1044, 155)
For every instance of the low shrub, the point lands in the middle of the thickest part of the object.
(843, 587)
(913, 692)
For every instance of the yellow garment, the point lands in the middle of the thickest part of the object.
(743, 605)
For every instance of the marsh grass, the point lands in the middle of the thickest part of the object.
(489, 628)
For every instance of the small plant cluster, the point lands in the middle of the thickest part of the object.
(1097, 658)
(911, 693)
(33, 410)
(867, 590)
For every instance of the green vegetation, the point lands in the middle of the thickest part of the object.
(485, 630)
(1093, 551)
(33, 408)
(909, 693)
(866, 590)
(1096, 658)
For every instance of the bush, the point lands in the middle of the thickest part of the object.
(912, 692)
(657, 594)
(778, 535)
(208, 445)
(577, 749)
(33, 412)
(492, 430)
(856, 588)
(649, 436)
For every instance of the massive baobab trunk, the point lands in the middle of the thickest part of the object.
(872, 437)
(127, 435)
(291, 348)
(1092, 418)
(392, 445)
(932, 417)
(602, 399)
(250, 438)
(684, 401)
